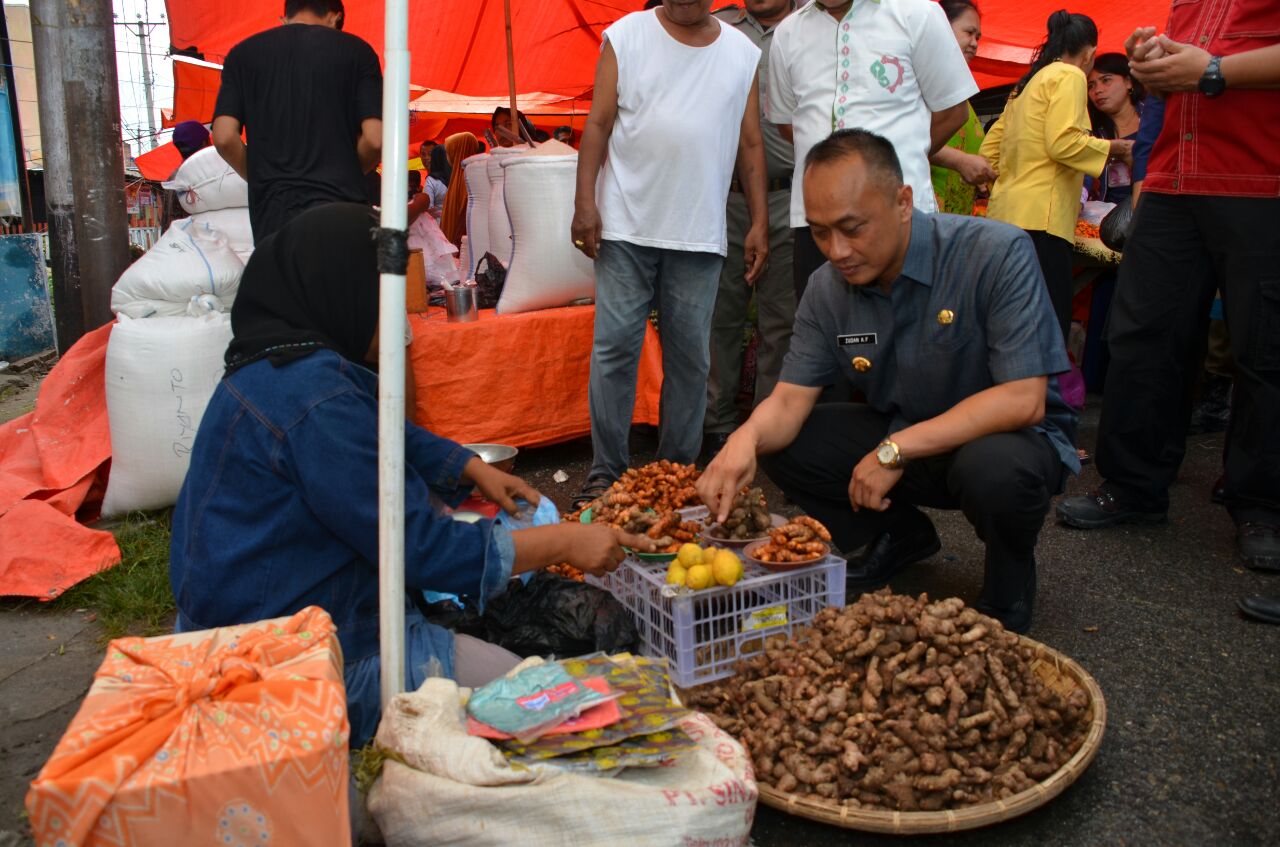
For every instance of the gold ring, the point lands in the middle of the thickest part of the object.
(578, 242)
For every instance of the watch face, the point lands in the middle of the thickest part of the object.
(886, 454)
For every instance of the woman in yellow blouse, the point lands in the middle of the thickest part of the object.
(1042, 148)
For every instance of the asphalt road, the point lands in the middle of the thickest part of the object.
(1191, 754)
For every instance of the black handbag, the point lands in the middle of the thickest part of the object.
(489, 281)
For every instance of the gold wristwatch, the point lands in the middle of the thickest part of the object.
(889, 456)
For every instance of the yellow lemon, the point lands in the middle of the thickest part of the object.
(676, 574)
(727, 568)
(699, 577)
(690, 554)
(709, 554)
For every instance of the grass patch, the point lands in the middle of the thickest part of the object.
(132, 598)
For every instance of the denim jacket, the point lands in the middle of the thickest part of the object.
(279, 509)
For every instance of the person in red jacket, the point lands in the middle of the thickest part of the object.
(1207, 222)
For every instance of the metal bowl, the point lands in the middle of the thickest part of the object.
(501, 456)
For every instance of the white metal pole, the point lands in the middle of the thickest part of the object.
(391, 319)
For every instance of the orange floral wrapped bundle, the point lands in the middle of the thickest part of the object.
(231, 736)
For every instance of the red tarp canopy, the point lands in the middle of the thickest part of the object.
(459, 46)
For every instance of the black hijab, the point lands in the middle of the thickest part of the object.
(439, 164)
(312, 284)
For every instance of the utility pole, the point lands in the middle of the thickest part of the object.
(144, 33)
(88, 221)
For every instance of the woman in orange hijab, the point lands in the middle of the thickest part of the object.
(454, 219)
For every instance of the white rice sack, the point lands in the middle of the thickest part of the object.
(234, 225)
(190, 260)
(160, 374)
(499, 220)
(475, 169)
(205, 183)
(546, 270)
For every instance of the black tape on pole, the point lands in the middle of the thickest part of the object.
(393, 251)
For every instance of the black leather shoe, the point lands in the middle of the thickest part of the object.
(1002, 600)
(1259, 544)
(1265, 609)
(887, 554)
(1100, 509)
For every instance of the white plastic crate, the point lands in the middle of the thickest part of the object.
(704, 634)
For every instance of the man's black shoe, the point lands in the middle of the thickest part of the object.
(1265, 609)
(1000, 600)
(1100, 509)
(1259, 544)
(712, 443)
(887, 554)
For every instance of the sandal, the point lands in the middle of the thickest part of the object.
(596, 487)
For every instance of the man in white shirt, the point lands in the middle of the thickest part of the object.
(891, 67)
(675, 105)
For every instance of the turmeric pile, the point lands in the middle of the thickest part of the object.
(898, 703)
(803, 539)
(645, 502)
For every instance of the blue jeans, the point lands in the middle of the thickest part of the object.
(627, 276)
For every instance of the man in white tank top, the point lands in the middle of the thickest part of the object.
(675, 106)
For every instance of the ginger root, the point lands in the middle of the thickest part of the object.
(898, 703)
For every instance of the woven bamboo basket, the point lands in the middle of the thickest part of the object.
(1058, 672)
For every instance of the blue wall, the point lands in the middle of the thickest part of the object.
(26, 318)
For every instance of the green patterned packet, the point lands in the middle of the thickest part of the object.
(644, 697)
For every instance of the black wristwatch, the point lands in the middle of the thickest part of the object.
(1212, 84)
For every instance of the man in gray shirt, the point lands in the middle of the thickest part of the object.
(942, 323)
(775, 290)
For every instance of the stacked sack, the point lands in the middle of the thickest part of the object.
(545, 270)
(165, 354)
(520, 208)
(212, 193)
(475, 170)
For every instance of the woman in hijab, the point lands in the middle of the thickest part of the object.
(454, 220)
(279, 510)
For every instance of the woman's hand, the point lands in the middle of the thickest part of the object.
(975, 170)
(498, 487)
(1122, 151)
(597, 549)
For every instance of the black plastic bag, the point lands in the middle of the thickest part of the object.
(1114, 229)
(552, 615)
(463, 618)
(489, 282)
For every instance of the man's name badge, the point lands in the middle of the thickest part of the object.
(856, 338)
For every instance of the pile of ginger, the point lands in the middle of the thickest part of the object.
(897, 703)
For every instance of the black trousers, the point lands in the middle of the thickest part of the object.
(806, 258)
(1054, 254)
(1001, 482)
(1183, 249)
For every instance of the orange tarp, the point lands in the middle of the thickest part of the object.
(516, 379)
(226, 736)
(53, 467)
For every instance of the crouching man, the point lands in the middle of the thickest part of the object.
(943, 325)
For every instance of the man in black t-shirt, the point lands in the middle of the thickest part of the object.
(309, 97)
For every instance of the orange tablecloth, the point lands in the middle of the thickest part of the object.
(516, 379)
